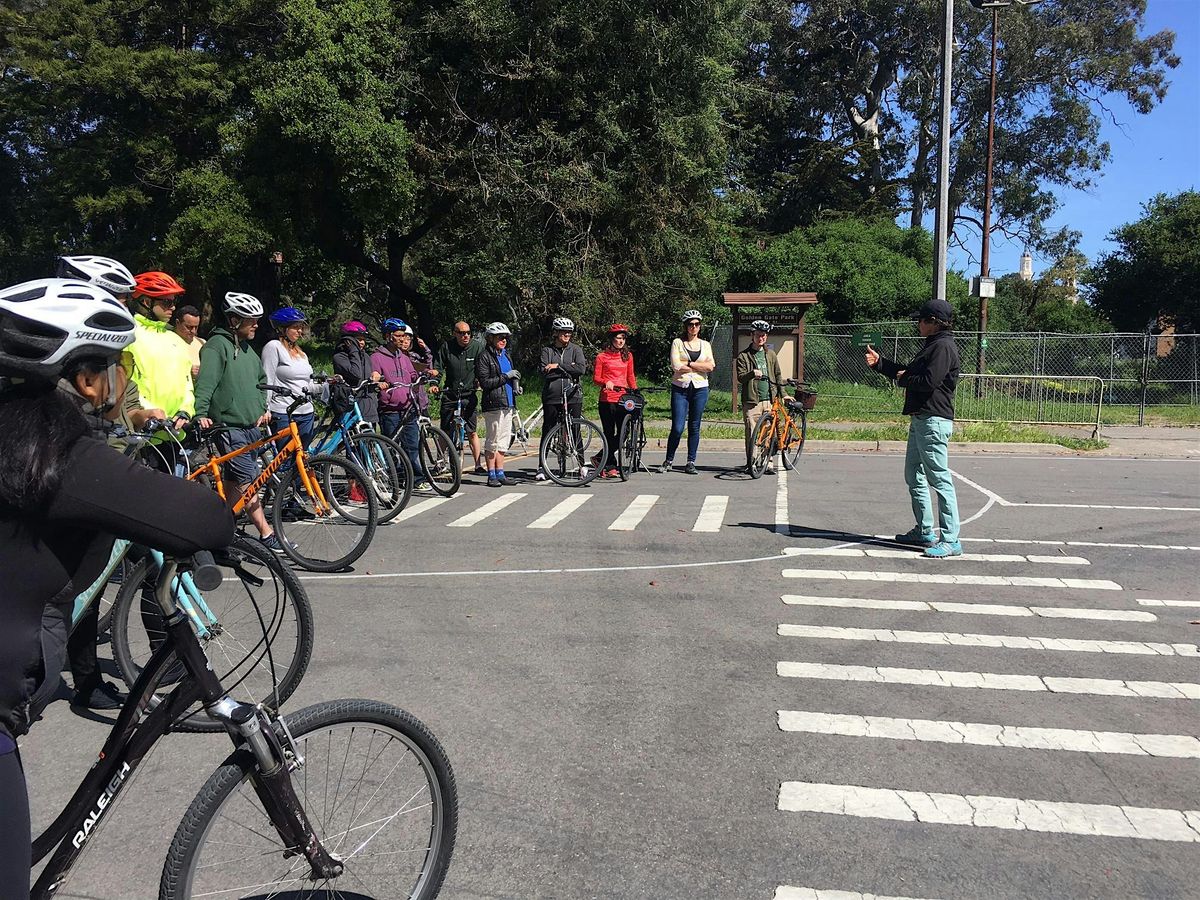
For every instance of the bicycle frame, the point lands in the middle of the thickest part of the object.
(292, 448)
(134, 735)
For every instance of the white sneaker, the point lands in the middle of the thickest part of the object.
(583, 471)
(540, 476)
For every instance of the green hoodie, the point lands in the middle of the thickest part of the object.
(227, 386)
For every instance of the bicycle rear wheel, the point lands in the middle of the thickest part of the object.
(377, 788)
(260, 605)
(762, 446)
(389, 473)
(326, 536)
(793, 440)
(440, 462)
(563, 453)
(627, 448)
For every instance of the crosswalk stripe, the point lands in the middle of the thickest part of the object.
(979, 609)
(1011, 813)
(1183, 603)
(560, 511)
(485, 511)
(712, 514)
(416, 509)
(1174, 746)
(782, 520)
(884, 553)
(1001, 641)
(1106, 544)
(946, 578)
(634, 513)
(991, 681)
(789, 892)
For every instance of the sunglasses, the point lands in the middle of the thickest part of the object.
(457, 331)
(166, 302)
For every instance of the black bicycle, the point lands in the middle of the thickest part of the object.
(439, 460)
(563, 455)
(632, 437)
(348, 798)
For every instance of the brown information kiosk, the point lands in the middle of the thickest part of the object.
(785, 312)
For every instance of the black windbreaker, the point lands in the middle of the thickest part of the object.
(930, 379)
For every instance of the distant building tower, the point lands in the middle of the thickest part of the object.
(1026, 266)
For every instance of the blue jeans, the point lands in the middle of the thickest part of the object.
(687, 407)
(409, 436)
(926, 463)
(305, 424)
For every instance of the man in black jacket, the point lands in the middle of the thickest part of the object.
(456, 359)
(562, 364)
(929, 382)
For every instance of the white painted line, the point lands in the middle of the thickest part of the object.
(991, 681)
(782, 520)
(979, 609)
(560, 511)
(947, 578)
(712, 514)
(485, 511)
(415, 509)
(634, 513)
(884, 553)
(1011, 813)
(983, 540)
(1183, 603)
(1021, 737)
(1104, 506)
(788, 892)
(998, 641)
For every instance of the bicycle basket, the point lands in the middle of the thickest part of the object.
(807, 399)
(632, 402)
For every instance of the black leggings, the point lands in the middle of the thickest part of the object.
(611, 417)
(15, 838)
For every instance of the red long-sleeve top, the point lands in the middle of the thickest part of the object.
(610, 367)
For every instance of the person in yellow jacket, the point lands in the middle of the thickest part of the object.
(159, 361)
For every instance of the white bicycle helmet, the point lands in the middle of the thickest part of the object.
(244, 305)
(562, 323)
(497, 328)
(46, 325)
(690, 314)
(761, 325)
(98, 270)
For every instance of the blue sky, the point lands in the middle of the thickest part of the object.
(1159, 152)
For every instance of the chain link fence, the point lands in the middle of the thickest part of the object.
(1137, 370)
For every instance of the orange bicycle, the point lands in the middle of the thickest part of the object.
(325, 513)
(782, 429)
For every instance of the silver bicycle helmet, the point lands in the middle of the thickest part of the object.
(98, 270)
(498, 328)
(46, 325)
(761, 325)
(244, 305)
(562, 323)
(690, 314)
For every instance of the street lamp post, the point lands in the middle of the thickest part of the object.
(941, 224)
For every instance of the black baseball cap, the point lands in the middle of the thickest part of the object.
(936, 309)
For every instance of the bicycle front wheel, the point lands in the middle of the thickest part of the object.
(762, 445)
(326, 533)
(440, 462)
(389, 473)
(256, 628)
(377, 788)
(563, 454)
(793, 440)
(627, 448)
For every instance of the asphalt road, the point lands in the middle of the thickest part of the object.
(612, 700)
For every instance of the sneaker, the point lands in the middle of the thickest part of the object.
(494, 482)
(915, 537)
(942, 549)
(481, 470)
(103, 696)
(610, 473)
(770, 470)
(420, 484)
(540, 476)
(274, 543)
(690, 469)
(294, 512)
(666, 466)
(585, 471)
(357, 494)
(502, 477)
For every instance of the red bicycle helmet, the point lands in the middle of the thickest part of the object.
(618, 328)
(156, 284)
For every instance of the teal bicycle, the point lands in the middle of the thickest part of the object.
(256, 625)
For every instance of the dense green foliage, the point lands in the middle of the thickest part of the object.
(495, 159)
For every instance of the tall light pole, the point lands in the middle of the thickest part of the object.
(985, 288)
(941, 226)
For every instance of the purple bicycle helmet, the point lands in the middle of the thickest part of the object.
(354, 327)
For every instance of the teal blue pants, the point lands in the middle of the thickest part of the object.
(927, 463)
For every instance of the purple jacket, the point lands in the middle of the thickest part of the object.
(396, 366)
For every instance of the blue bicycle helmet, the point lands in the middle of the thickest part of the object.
(390, 325)
(288, 315)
